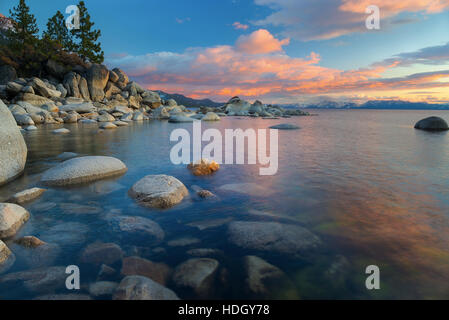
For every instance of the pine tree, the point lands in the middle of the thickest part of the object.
(57, 31)
(25, 30)
(86, 39)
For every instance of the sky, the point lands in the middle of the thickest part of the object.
(276, 51)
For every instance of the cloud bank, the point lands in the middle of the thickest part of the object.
(256, 67)
(327, 19)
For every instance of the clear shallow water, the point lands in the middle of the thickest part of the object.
(374, 190)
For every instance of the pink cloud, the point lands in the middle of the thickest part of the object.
(327, 19)
(239, 26)
(260, 41)
(391, 8)
(268, 73)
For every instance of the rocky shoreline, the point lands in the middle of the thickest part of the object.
(107, 97)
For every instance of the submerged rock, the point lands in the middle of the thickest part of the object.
(102, 288)
(13, 150)
(432, 124)
(99, 253)
(106, 272)
(74, 208)
(196, 274)
(82, 170)
(37, 253)
(285, 126)
(259, 272)
(183, 242)
(137, 229)
(159, 272)
(180, 118)
(61, 131)
(142, 288)
(29, 242)
(12, 217)
(207, 224)
(272, 237)
(41, 280)
(158, 191)
(67, 155)
(67, 233)
(26, 195)
(204, 252)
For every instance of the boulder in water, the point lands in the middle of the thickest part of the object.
(158, 191)
(12, 217)
(82, 170)
(432, 124)
(13, 150)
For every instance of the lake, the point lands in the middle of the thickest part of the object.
(373, 189)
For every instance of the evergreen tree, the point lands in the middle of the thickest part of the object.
(22, 41)
(57, 31)
(25, 30)
(86, 39)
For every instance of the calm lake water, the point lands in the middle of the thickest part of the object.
(374, 190)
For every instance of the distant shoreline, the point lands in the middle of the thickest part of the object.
(383, 109)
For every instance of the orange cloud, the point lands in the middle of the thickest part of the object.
(260, 41)
(327, 19)
(268, 73)
(391, 8)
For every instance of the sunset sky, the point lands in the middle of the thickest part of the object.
(277, 51)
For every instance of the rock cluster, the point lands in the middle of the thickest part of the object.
(238, 107)
(108, 97)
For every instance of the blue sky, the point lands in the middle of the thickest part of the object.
(307, 49)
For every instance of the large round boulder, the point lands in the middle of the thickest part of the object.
(158, 191)
(13, 150)
(12, 217)
(272, 237)
(83, 170)
(432, 124)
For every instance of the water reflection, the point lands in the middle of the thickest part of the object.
(375, 191)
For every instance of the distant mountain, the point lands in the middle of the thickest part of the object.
(379, 104)
(189, 102)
